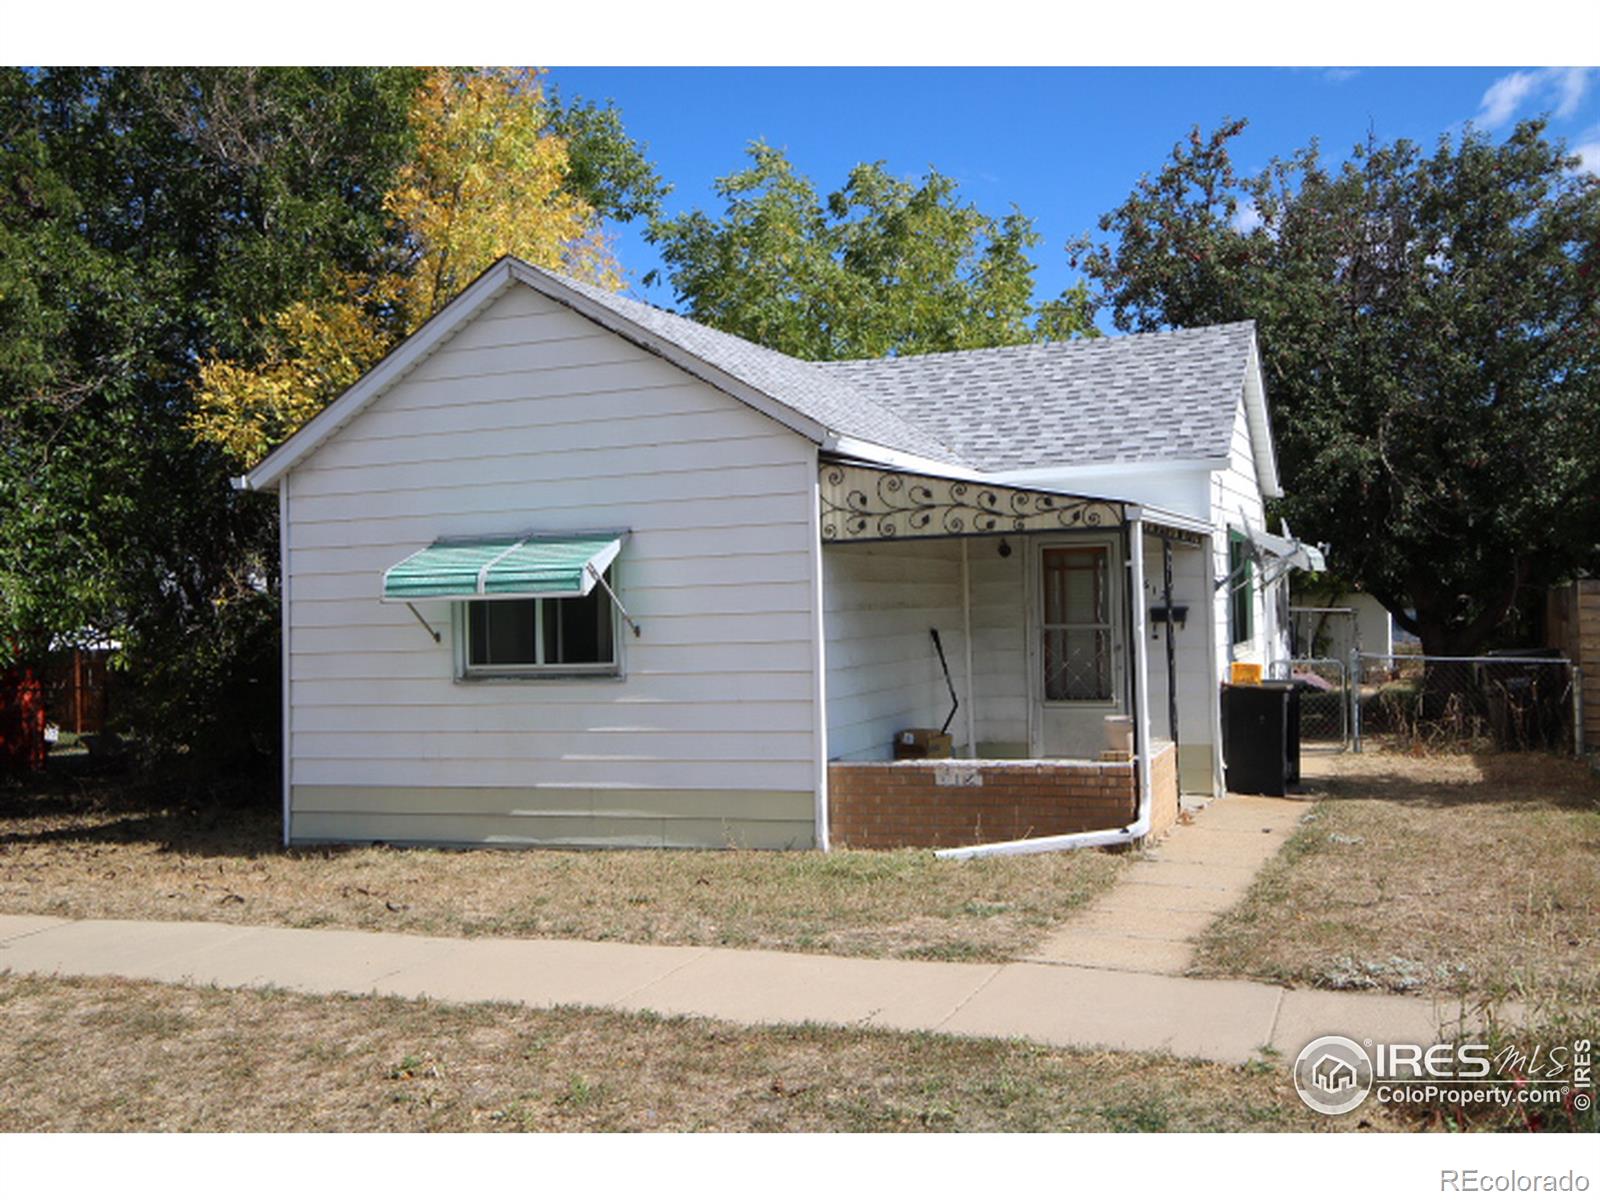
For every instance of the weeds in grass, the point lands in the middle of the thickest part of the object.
(1446, 876)
(342, 1063)
(117, 853)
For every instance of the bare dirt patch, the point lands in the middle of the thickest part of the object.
(107, 1055)
(1459, 876)
(96, 849)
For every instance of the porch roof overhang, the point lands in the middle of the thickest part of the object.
(870, 502)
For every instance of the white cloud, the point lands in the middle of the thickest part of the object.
(1506, 95)
(1340, 74)
(1571, 84)
(1247, 218)
(1590, 153)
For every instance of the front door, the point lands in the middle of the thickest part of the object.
(1077, 651)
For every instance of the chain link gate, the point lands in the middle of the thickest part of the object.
(1325, 700)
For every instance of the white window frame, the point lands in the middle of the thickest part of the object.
(1109, 547)
(467, 672)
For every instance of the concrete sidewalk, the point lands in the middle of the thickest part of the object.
(1152, 916)
(1224, 1020)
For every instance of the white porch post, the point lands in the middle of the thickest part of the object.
(1141, 658)
(966, 641)
(1214, 675)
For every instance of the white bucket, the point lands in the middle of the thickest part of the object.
(1119, 734)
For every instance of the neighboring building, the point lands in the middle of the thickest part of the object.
(666, 587)
(1331, 624)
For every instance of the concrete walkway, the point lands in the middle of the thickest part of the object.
(1149, 921)
(1224, 1020)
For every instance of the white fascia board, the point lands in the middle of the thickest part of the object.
(395, 365)
(877, 455)
(551, 287)
(1256, 413)
(1166, 516)
(1062, 477)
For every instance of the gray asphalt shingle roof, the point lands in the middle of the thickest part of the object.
(825, 398)
(1125, 399)
(1140, 398)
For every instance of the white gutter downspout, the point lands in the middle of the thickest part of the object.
(287, 716)
(1141, 734)
(819, 659)
(966, 638)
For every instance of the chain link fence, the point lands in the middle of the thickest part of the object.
(1414, 701)
(1325, 706)
(1496, 702)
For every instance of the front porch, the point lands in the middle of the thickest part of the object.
(969, 802)
(1016, 621)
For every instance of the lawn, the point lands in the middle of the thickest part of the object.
(106, 1054)
(1450, 875)
(95, 847)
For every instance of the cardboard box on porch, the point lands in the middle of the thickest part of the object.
(923, 743)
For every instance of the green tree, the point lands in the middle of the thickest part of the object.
(146, 216)
(151, 220)
(488, 175)
(1430, 328)
(882, 266)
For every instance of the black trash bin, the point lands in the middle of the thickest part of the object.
(1261, 737)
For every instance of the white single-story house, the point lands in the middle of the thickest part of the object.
(567, 569)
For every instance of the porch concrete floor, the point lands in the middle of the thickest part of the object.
(1149, 921)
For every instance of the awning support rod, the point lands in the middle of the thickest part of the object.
(601, 580)
(423, 621)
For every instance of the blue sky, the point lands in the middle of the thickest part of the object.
(1063, 145)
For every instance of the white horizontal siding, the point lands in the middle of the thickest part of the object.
(615, 772)
(1196, 687)
(1235, 503)
(768, 450)
(1000, 647)
(673, 717)
(533, 418)
(642, 432)
(665, 688)
(883, 675)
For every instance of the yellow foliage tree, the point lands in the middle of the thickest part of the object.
(487, 179)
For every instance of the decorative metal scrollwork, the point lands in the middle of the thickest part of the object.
(868, 504)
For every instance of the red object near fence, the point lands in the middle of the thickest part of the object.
(22, 720)
(76, 690)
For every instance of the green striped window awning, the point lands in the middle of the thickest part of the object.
(551, 565)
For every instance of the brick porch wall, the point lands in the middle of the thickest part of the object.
(964, 802)
(1164, 796)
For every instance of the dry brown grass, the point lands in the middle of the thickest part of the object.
(92, 849)
(106, 1054)
(1447, 875)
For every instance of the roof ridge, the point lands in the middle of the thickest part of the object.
(1041, 347)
